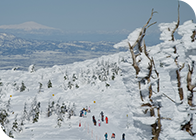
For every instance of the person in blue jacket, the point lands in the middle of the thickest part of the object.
(106, 136)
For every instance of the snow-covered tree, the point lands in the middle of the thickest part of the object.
(40, 87)
(49, 84)
(3, 117)
(35, 110)
(32, 68)
(23, 87)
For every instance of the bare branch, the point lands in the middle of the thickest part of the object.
(146, 104)
(169, 97)
(151, 24)
(166, 118)
(137, 69)
(142, 32)
(158, 82)
(181, 67)
(178, 22)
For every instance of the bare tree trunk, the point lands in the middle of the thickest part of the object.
(156, 127)
(188, 126)
(158, 130)
(140, 91)
(178, 22)
(137, 69)
(180, 90)
(190, 87)
(143, 31)
(193, 36)
(150, 91)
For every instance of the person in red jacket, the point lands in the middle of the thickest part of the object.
(106, 120)
(113, 135)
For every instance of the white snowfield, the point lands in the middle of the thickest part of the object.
(105, 84)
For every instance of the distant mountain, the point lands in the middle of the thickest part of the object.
(15, 51)
(27, 26)
(31, 30)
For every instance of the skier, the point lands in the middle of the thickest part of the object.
(94, 121)
(85, 112)
(106, 136)
(89, 109)
(123, 136)
(81, 113)
(99, 122)
(113, 135)
(106, 119)
(102, 116)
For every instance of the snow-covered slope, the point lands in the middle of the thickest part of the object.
(20, 52)
(35, 100)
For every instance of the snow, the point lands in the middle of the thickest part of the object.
(132, 37)
(118, 97)
(166, 29)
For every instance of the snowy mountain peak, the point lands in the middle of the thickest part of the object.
(27, 26)
(5, 36)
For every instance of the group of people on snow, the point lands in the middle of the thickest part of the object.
(102, 119)
(84, 111)
(113, 136)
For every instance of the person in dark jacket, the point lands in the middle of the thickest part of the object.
(94, 121)
(81, 113)
(123, 136)
(102, 116)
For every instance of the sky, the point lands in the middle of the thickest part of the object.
(89, 15)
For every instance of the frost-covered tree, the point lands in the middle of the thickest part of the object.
(3, 117)
(32, 68)
(49, 84)
(40, 87)
(15, 125)
(146, 75)
(35, 110)
(8, 106)
(70, 85)
(74, 77)
(77, 86)
(25, 115)
(50, 108)
(58, 110)
(1, 83)
(23, 87)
